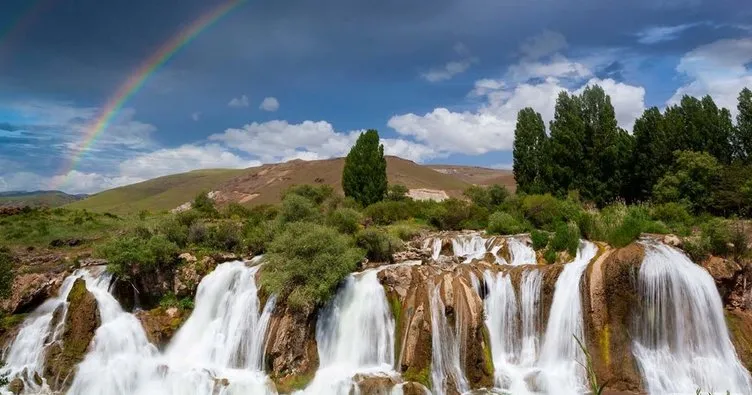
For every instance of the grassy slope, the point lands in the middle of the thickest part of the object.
(163, 193)
(39, 199)
(479, 175)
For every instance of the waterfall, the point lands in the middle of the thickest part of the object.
(445, 348)
(520, 253)
(530, 307)
(24, 358)
(560, 355)
(219, 349)
(355, 335)
(469, 247)
(500, 306)
(682, 343)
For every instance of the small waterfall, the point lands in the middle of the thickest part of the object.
(682, 343)
(469, 247)
(500, 306)
(24, 358)
(520, 253)
(355, 334)
(218, 350)
(530, 308)
(445, 346)
(560, 355)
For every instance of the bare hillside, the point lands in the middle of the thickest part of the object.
(479, 175)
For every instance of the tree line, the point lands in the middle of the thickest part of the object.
(692, 153)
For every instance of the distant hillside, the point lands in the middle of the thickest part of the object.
(479, 175)
(258, 185)
(163, 193)
(37, 198)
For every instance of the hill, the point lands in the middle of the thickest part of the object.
(37, 198)
(260, 185)
(162, 193)
(479, 175)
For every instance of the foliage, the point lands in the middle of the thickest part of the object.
(345, 220)
(6, 271)
(406, 230)
(397, 192)
(540, 239)
(690, 181)
(489, 197)
(364, 174)
(504, 223)
(297, 208)
(550, 256)
(378, 244)
(257, 236)
(528, 151)
(672, 213)
(170, 300)
(389, 211)
(197, 233)
(236, 211)
(174, 231)
(204, 205)
(545, 211)
(449, 214)
(635, 222)
(566, 238)
(128, 253)
(306, 262)
(226, 236)
(592, 378)
(315, 193)
(743, 135)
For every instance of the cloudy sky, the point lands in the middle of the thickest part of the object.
(274, 80)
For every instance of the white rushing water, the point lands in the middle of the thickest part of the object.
(530, 316)
(24, 358)
(682, 342)
(222, 339)
(469, 247)
(520, 253)
(355, 335)
(560, 356)
(446, 363)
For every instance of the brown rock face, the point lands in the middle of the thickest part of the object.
(30, 290)
(81, 322)
(291, 354)
(724, 272)
(161, 324)
(375, 385)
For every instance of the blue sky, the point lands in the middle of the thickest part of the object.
(442, 80)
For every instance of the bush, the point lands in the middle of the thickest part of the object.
(379, 245)
(226, 237)
(126, 253)
(397, 192)
(566, 238)
(672, 213)
(449, 214)
(297, 208)
(504, 224)
(204, 205)
(540, 239)
(406, 230)
(174, 231)
(188, 217)
(6, 271)
(257, 237)
(197, 233)
(718, 236)
(550, 256)
(489, 197)
(635, 222)
(236, 210)
(345, 220)
(546, 211)
(315, 193)
(261, 213)
(306, 263)
(388, 212)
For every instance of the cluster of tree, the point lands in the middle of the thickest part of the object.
(692, 152)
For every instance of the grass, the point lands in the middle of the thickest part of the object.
(38, 199)
(159, 194)
(588, 365)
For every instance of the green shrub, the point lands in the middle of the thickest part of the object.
(261, 213)
(449, 214)
(174, 231)
(388, 212)
(397, 192)
(504, 224)
(566, 238)
(717, 236)
(540, 239)
(188, 217)
(170, 300)
(379, 245)
(489, 197)
(197, 233)
(315, 193)
(257, 237)
(406, 230)
(306, 262)
(7, 261)
(672, 213)
(124, 253)
(204, 205)
(740, 240)
(546, 211)
(635, 222)
(345, 220)
(226, 236)
(477, 218)
(236, 210)
(297, 208)
(550, 256)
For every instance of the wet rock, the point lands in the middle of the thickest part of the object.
(81, 321)
(30, 290)
(413, 388)
(88, 262)
(291, 355)
(673, 240)
(57, 243)
(375, 384)
(161, 324)
(16, 386)
(740, 328)
(725, 273)
(186, 279)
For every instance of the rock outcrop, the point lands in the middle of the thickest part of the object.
(30, 290)
(291, 356)
(80, 323)
(160, 324)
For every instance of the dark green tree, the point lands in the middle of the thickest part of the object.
(652, 154)
(743, 133)
(565, 150)
(364, 175)
(529, 140)
(690, 181)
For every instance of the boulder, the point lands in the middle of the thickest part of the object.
(291, 356)
(81, 322)
(30, 290)
(161, 324)
(725, 273)
(375, 384)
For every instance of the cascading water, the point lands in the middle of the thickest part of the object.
(445, 348)
(530, 308)
(222, 339)
(520, 253)
(24, 358)
(682, 342)
(560, 355)
(355, 335)
(469, 247)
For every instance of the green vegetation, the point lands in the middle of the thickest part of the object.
(595, 389)
(364, 174)
(378, 244)
(6, 271)
(49, 199)
(504, 224)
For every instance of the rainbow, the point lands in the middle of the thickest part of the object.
(136, 80)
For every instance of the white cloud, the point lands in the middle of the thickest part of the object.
(269, 104)
(718, 69)
(278, 140)
(196, 116)
(533, 82)
(658, 34)
(239, 102)
(450, 69)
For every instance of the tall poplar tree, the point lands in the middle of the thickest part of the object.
(529, 155)
(364, 175)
